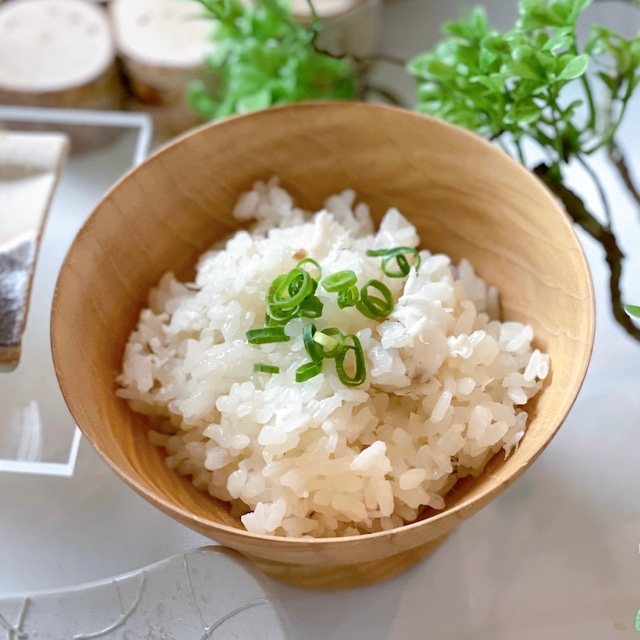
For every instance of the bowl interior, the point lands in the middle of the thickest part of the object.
(466, 198)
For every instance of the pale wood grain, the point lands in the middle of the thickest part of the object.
(466, 198)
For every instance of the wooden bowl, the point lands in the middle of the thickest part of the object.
(466, 198)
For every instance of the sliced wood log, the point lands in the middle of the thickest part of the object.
(163, 46)
(59, 53)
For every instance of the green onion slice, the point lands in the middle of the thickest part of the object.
(308, 370)
(322, 344)
(267, 335)
(272, 322)
(311, 346)
(265, 368)
(339, 281)
(288, 291)
(399, 254)
(301, 284)
(360, 373)
(348, 297)
(280, 315)
(275, 286)
(311, 307)
(296, 285)
(403, 266)
(372, 306)
(331, 341)
(324, 340)
(313, 263)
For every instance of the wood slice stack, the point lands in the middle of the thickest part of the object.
(59, 53)
(163, 45)
(63, 53)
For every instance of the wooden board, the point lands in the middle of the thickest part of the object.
(30, 165)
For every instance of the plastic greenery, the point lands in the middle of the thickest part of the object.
(510, 87)
(264, 57)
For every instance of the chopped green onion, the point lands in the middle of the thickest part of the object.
(339, 281)
(275, 285)
(322, 344)
(348, 297)
(272, 322)
(313, 262)
(397, 253)
(330, 345)
(360, 374)
(265, 368)
(403, 266)
(312, 348)
(308, 370)
(364, 310)
(296, 285)
(288, 291)
(372, 306)
(311, 307)
(324, 340)
(377, 253)
(334, 334)
(280, 316)
(267, 335)
(292, 295)
(300, 285)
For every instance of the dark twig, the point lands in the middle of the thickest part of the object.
(363, 61)
(619, 162)
(383, 57)
(601, 192)
(576, 209)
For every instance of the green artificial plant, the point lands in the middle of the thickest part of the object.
(512, 87)
(263, 57)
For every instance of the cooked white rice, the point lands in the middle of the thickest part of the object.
(445, 383)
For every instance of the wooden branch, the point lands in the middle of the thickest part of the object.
(614, 257)
(619, 162)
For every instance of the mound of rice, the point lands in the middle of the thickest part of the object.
(445, 383)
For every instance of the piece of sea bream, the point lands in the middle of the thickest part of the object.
(30, 165)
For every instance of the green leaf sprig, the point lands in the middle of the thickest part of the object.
(632, 310)
(262, 57)
(511, 88)
(511, 83)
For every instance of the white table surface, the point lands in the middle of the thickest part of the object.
(554, 557)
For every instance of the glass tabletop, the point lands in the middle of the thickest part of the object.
(37, 432)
